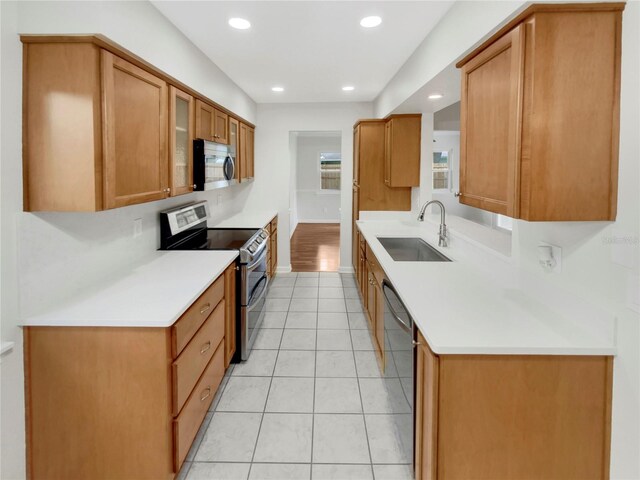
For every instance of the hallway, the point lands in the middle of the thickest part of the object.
(315, 247)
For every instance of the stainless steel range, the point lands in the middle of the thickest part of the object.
(185, 228)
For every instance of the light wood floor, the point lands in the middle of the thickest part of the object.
(315, 247)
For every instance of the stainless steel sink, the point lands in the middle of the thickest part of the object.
(411, 250)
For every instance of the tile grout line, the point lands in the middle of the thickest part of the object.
(315, 379)
(364, 420)
(255, 446)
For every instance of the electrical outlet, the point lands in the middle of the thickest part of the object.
(137, 227)
(550, 257)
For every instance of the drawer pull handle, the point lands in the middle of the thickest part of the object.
(205, 347)
(208, 394)
(205, 308)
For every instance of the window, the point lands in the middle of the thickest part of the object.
(330, 166)
(441, 171)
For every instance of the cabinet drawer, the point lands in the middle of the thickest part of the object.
(194, 317)
(186, 425)
(375, 265)
(188, 367)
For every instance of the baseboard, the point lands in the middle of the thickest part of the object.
(286, 269)
(318, 221)
(346, 270)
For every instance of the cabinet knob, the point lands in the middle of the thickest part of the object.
(195, 186)
(457, 194)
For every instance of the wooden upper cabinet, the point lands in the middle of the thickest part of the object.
(95, 131)
(368, 162)
(234, 144)
(102, 128)
(489, 116)
(205, 121)
(181, 135)
(402, 150)
(250, 152)
(540, 115)
(211, 124)
(221, 127)
(246, 152)
(135, 133)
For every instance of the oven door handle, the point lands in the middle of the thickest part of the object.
(260, 252)
(251, 303)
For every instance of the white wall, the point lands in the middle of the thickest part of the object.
(600, 263)
(47, 257)
(293, 178)
(465, 24)
(273, 162)
(312, 205)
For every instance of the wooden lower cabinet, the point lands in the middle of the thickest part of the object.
(369, 276)
(230, 316)
(512, 416)
(123, 402)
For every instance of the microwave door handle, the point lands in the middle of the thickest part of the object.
(229, 168)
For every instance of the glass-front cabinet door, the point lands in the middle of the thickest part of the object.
(234, 132)
(181, 130)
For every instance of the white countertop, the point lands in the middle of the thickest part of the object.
(461, 308)
(246, 219)
(154, 294)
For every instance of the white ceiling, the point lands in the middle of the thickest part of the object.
(311, 48)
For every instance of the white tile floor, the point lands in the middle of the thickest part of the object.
(310, 403)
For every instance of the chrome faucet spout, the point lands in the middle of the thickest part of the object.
(443, 234)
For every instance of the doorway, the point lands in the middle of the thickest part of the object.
(316, 175)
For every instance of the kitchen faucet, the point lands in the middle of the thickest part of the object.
(442, 233)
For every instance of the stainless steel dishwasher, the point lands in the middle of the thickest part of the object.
(400, 333)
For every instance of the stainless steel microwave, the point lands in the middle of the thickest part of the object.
(214, 165)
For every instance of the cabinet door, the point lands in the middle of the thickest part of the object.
(205, 121)
(234, 143)
(354, 229)
(250, 152)
(230, 313)
(221, 127)
(181, 125)
(490, 117)
(371, 297)
(135, 134)
(426, 412)
(388, 139)
(378, 336)
(242, 152)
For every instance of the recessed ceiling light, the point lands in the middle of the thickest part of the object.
(435, 96)
(277, 89)
(239, 23)
(348, 88)
(370, 22)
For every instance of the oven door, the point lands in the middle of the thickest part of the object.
(255, 283)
